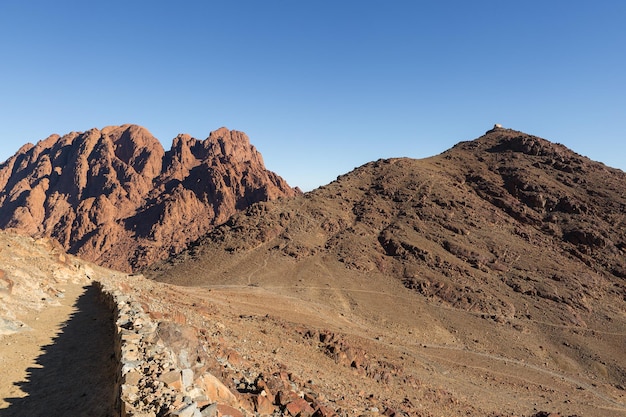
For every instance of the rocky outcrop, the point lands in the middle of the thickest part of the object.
(32, 276)
(116, 197)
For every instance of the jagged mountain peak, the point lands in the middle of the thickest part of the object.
(115, 196)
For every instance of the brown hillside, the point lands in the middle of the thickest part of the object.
(494, 271)
(116, 197)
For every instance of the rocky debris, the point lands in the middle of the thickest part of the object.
(190, 352)
(165, 369)
(157, 377)
(116, 197)
(348, 354)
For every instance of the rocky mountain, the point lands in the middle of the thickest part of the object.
(116, 197)
(508, 204)
(495, 270)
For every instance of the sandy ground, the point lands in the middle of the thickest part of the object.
(63, 365)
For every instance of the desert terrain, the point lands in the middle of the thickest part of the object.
(485, 281)
(364, 346)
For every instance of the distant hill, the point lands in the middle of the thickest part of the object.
(116, 197)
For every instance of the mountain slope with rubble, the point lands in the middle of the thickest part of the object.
(493, 272)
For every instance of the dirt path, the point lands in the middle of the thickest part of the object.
(63, 366)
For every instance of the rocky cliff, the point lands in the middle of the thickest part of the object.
(116, 197)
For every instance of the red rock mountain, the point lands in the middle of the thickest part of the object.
(116, 197)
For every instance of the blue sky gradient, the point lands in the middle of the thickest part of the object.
(320, 87)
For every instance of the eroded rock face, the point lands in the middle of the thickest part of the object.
(116, 197)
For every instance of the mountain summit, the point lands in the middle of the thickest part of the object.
(116, 197)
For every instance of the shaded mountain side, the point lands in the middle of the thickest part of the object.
(510, 228)
(116, 197)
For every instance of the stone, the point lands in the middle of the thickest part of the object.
(245, 402)
(132, 378)
(209, 410)
(324, 411)
(285, 397)
(187, 411)
(224, 410)
(198, 395)
(130, 337)
(263, 404)
(233, 357)
(216, 390)
(172, 379)
(299, 408)
(187, 378)
(128, 366)
(265, 390)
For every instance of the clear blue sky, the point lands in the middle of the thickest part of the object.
(320, 87)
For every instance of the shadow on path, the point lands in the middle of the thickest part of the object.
(76, 373)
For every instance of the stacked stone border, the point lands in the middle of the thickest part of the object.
(149, 380)
(163, 371)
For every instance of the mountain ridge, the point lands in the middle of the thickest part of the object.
(116, 197)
